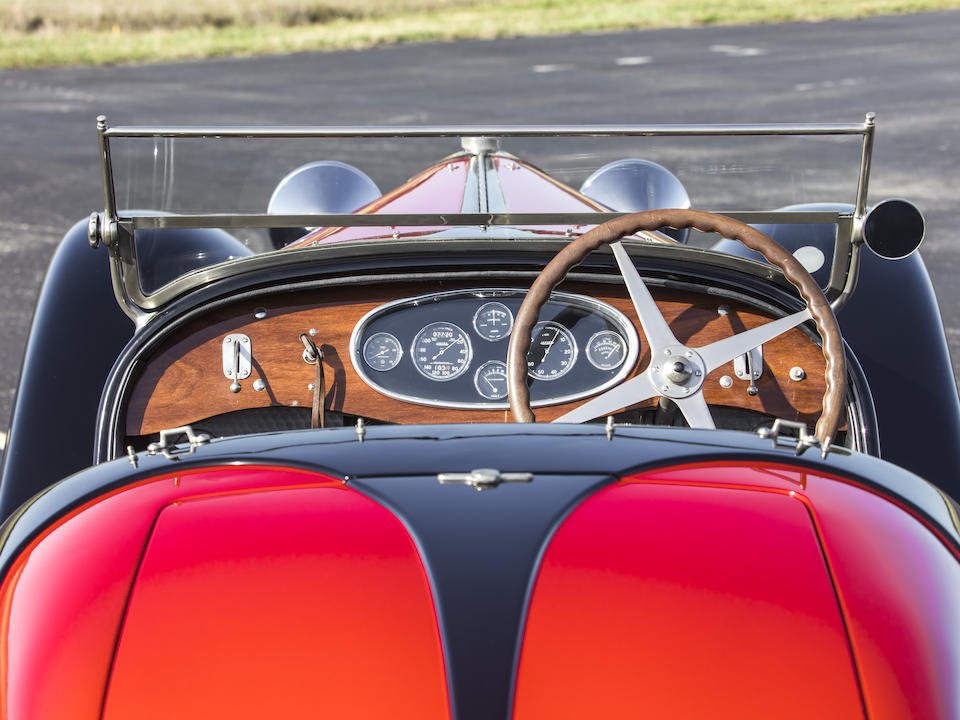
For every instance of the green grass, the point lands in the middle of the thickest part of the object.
(36, 33)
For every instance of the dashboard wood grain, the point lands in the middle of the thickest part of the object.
(184, 381)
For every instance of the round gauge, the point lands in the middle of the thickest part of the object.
(491, 380)
(441, 351)
(606, 350)
(382, 351)
(553, 351)
(493, 321)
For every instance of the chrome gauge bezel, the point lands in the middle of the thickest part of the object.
(420, 337)
(390, 338)
(500, 364)
(620, 322)
(574, 351)
(589, 345)
(485, 308)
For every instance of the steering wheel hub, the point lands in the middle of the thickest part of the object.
(678, 372)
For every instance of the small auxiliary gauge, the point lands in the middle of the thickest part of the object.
(491, 380)
(606, 350)
(493, 321)
(382, 351)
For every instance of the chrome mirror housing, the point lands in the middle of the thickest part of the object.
(893, 229)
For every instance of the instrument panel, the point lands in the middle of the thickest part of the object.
(449, 349)
(443, 347)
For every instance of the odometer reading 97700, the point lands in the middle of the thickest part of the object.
(441, 351)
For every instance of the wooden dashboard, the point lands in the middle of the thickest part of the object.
(184, 382)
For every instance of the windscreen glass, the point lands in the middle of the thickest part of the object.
(222, 182)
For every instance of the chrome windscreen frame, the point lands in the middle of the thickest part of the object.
(116, 230)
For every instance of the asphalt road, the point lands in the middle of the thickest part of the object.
(906, 69)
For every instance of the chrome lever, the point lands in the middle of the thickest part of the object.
(749, 366)
(237, 355)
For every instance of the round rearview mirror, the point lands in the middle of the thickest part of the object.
(893, 229)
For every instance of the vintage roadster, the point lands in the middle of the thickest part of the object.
(525, 436)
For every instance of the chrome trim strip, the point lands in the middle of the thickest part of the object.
(442, 131)
(582, 301)
(106, 167)
(471, 191)
(340, 251)
(866, 157)
(138, 221)
(852, 241)
(495, 201)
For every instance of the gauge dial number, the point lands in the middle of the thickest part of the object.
(491, 380)
(441, 352)
(382, 351)
(606, 350)
(553, 351)
(493, 321)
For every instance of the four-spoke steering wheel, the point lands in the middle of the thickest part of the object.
(677, 371)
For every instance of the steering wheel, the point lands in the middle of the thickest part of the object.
(677, 371)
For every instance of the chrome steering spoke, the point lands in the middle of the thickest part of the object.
(696, 411)
(655, 327)
(635, 390)
(723, 351)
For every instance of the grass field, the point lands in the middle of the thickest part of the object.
(50, 32)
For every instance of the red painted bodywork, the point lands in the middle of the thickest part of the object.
(720, 590)
(704, 592)
(259, 593)
(442, 188)
(901, 591)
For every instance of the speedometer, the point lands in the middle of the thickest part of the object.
(553, 351)
(441, 351)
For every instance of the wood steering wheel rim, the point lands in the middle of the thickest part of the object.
(612, 231)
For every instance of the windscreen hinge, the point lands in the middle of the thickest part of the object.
(789, 434)
(173, 451)
(101, 232)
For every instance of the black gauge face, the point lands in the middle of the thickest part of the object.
(606, 350)
(553, 351)
(491, 380)
(441, 351)
(382, 351)
(493, 321)
(448, 349)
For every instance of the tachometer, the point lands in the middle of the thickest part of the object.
(441, 351)
(553, 351)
